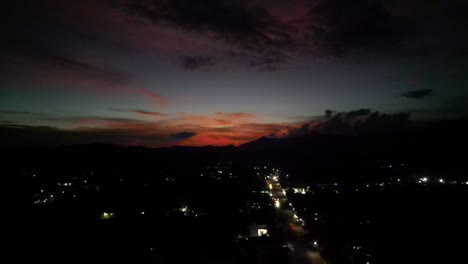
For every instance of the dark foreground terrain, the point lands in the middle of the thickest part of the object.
(208, 205)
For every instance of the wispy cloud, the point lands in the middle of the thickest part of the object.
(139, 111)
(41, 69)
(418, 94)
(184, 135)
(217, 128)
(196, 62)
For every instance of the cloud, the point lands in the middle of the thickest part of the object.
(418, 94)
(268, 62)
(20, 136)
(234, 135)
(13, 112)
(139, 111)
(242, 27)
(183, 135)
(447, 108)
(338, 27)
(40, 68)
(219, 128)
(358, 122)
(236, 23)
(298, 132)
(357, 113)
(195, 62)
(235, 116)
(156, 98)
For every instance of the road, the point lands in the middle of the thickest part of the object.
(291, 226)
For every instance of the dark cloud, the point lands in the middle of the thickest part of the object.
(338, 27)
(42, 56)
(138, 111)
(451, 108)
(235, 22)
(25, 136)
(12, 112)
(196, 62)
(268, 62)
(362, 121)
(418, 94)
(356, 113)
(329, 113)
(183, 135)
(358, 122)
(301, 131)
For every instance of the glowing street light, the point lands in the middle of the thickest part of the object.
(277, 204)
(106, 216)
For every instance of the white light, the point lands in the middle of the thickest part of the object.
(262, 231)
(441, 180)
(106, 215)
(315, 243)
(142, 213)
(277, 204)
(42, 191)
(424, 179)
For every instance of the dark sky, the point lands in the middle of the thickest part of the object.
(166, 72)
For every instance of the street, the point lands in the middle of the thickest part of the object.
(291, 226)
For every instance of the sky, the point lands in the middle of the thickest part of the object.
(218, 72)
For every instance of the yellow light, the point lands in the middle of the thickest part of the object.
(270, 186)
(106, 215)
